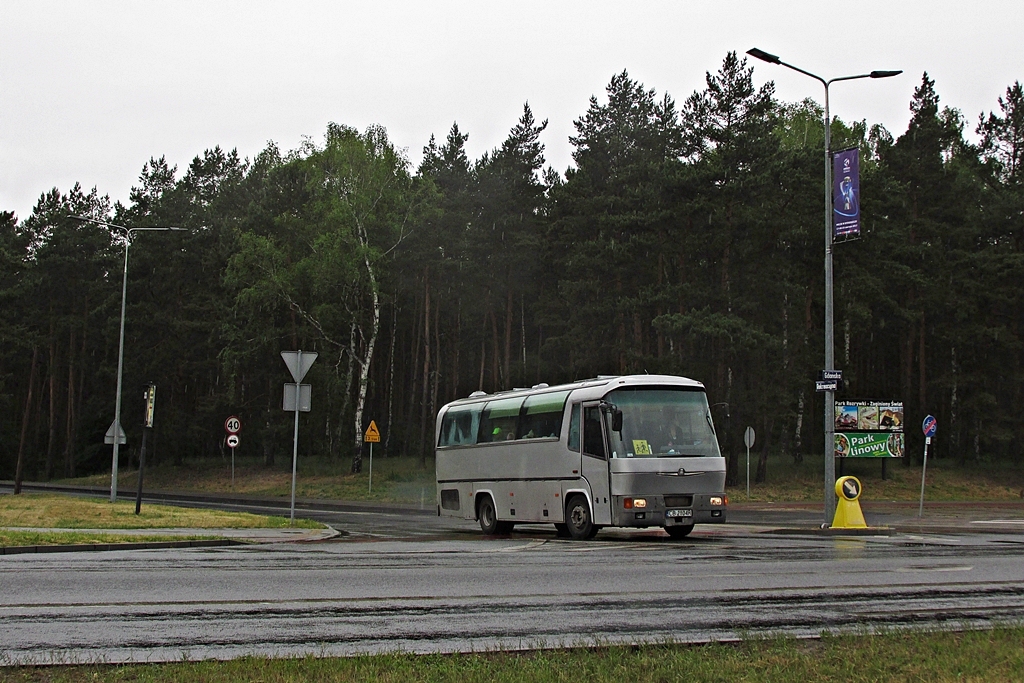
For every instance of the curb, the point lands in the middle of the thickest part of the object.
(98, 547)
(862, 531)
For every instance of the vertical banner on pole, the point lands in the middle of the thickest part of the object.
(846, 194)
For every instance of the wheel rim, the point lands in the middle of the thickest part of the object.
(487, 514)
(578, 517)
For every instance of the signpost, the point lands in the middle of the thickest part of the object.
(748, 439)
(232, 426)
(149, 396)
(298, 365)
(929, 427)
(371, 437)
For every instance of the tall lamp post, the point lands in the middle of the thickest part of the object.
(830, 398)
(120, 344)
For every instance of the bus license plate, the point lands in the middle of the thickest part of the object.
(679, 513)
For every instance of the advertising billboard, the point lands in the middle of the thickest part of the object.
(869, 429)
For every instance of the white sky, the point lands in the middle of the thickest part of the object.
(90, 90)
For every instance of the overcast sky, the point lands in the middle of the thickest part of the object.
(90, 90)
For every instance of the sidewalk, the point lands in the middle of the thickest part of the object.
(282, 503)
(1001, 517)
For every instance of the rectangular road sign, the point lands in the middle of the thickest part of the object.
(830, 374)
(298, 397)
(826, 385)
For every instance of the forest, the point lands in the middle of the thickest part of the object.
(685, 239)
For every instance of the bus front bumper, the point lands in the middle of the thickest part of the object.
(647, 511)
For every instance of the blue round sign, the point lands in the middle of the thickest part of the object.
(929, 426)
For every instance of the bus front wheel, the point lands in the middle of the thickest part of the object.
(679, 531)
(579, 519)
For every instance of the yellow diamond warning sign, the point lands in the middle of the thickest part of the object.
(372, 433)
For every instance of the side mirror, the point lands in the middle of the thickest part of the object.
(616, 420)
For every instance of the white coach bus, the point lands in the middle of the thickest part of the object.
(631, 451)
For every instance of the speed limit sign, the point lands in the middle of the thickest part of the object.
(232, 425)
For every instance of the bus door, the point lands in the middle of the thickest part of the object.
(595, 461)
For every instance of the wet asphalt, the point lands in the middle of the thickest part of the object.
(406, 580)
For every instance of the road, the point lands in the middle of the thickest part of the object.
(421, 584)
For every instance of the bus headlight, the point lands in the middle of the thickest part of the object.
(715, 500)
(639, 502)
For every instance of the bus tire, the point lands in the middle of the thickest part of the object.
(561, 530)
(487, 515)
(579, 519)
(679, 531)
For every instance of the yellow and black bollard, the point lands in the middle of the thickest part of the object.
(848, 512)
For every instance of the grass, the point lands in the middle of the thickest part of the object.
(11, 538)
(395, 480)
(52, 511)
(995, 655)
(945, 480)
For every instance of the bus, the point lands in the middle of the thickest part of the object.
(625, 451)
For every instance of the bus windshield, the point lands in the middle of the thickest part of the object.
(662, 422)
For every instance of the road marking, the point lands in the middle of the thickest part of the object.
(935, 569)
(517, 548)
(998, 521)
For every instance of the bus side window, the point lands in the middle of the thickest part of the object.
(499, 420)
(541, 416)
(593, 442)
(574, 429)
(460, 425)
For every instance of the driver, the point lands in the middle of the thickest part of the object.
(676, 435)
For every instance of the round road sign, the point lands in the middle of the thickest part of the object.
(848, 488)
(232, 425)
(233, 441)
(930, 426)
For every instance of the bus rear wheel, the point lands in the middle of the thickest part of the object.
(488, 517)
(679, 531)
(579, 519)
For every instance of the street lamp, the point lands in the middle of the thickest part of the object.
(830, 398)
(116, 427)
